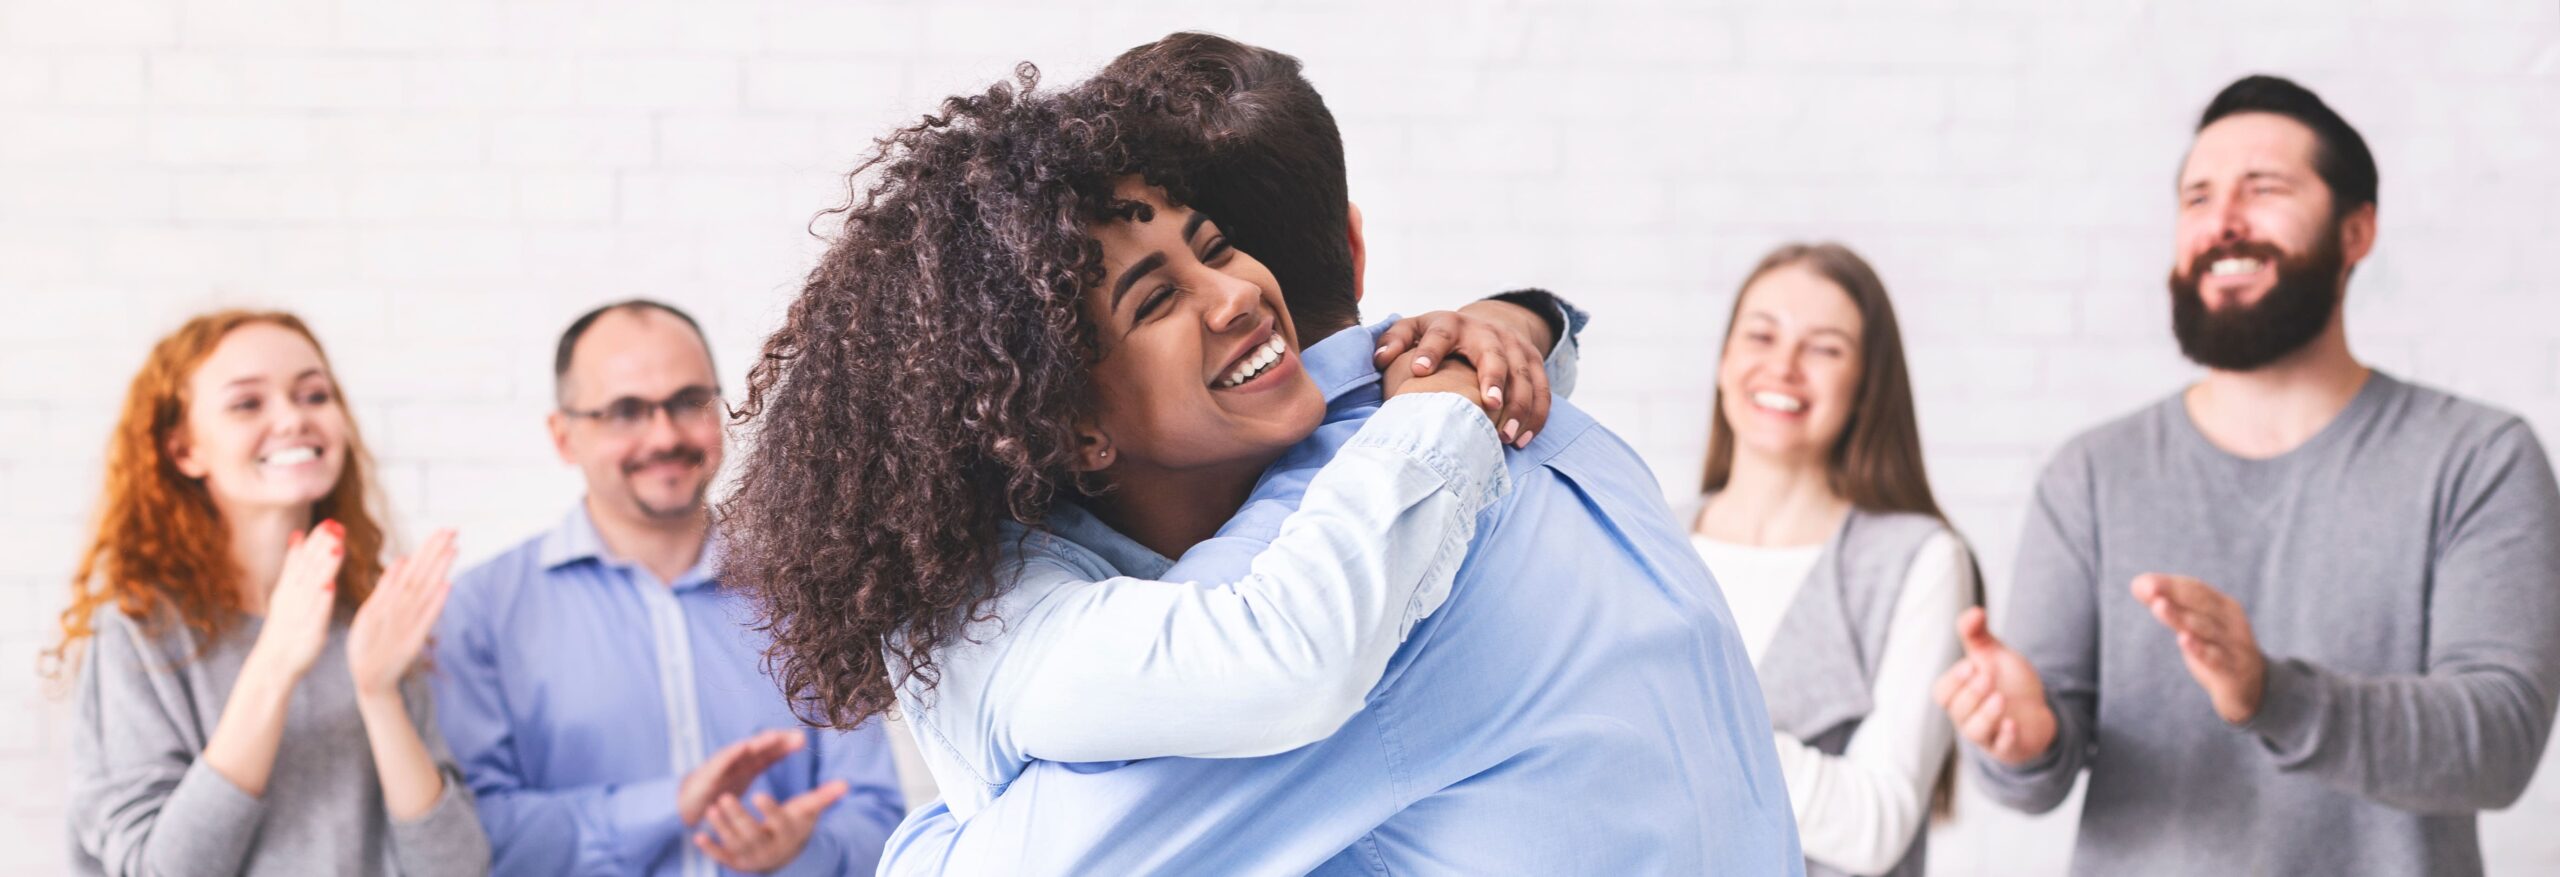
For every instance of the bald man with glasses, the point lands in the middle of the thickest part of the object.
(603, 693)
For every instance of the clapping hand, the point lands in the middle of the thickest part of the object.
(392, 626)
(301, 605)
(1995, 697)
(772, 836)
(2214, 637)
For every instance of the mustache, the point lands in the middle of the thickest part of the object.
(686, 454)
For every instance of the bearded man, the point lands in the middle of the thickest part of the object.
(2301, 617)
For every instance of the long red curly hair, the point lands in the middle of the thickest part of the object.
(159, 540)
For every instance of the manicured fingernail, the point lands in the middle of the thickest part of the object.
(1511, 428)
(1382, 350)
(1494, 393)
(1526, 436)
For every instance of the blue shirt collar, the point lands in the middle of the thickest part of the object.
(1079, 526)
(575, 540)
(1348, 361)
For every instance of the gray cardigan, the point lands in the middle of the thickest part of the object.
(142, 803)
(1818, 673)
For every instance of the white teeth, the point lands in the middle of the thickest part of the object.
(1252, 367)
(2227, 267)
(1777, 401)
(292, 456)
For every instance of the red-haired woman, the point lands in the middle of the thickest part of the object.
(248, 701)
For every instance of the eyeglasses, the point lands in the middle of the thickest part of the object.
(629, 414)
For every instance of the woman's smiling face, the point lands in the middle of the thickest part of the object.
(1199, 364)
(263, 426)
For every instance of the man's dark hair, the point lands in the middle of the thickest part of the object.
(578, 329)
(2340, 157)
(1267, 162)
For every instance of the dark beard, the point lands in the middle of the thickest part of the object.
(2246, 337)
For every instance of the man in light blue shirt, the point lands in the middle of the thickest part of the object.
(603, 694)
(1580, 704)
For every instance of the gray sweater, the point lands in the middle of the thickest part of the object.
(142, 803)
(2402, 574)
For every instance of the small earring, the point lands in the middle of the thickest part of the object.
(1106, 453)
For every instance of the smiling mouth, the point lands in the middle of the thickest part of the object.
(2234, 266)
(1778, 402)
(1254, 363)
(290, 457)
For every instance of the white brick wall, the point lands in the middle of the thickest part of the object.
(440, 185)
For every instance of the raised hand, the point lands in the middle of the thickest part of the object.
(1995, 697)
(301, 605)
(770, 838)
(392, 626)
(1510, 361)
(729, 771)
(2214, 637)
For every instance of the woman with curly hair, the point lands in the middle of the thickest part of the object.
(1024, 338)
(248, 701)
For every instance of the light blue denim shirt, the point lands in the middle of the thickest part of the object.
(576, 690)
(1078, 663)
(1580, 704)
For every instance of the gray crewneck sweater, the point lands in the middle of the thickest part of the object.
(2402, 574)
(142, 803)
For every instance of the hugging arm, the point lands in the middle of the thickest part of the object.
(1271, 642)
(1272, 659)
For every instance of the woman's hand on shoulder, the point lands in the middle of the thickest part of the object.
(1453, 376)
(1504, 367)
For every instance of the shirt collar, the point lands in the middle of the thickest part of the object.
(1073, 522)
(575, 540)
(1347, 361)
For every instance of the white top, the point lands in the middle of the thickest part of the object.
(1079, 663)
(1858, 811)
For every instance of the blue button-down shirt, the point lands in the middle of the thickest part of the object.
(576, 690)
(1581, 704)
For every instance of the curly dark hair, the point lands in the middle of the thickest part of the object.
(924, 388)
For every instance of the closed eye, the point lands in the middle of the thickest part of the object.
(1155, 301)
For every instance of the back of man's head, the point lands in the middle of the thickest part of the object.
(1265, 160)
